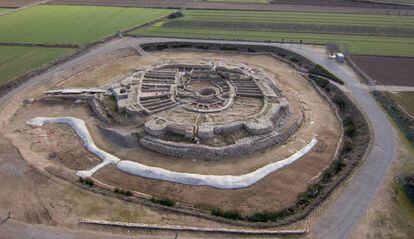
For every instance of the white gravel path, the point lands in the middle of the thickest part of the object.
(217, 181)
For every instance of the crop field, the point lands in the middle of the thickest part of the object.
(15, 61)
(17, 3)
(72, 24)
(364, 34)
(387, 70)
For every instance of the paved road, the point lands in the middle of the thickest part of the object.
(341, 216)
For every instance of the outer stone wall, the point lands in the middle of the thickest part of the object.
(241, 147)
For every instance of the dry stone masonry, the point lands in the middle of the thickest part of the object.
(209, 110)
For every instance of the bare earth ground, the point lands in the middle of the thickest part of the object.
(387, 70)
(274, 192)
(35, 198)
(327, 6)
(17, 3)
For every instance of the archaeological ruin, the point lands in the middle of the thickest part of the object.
(210, 111)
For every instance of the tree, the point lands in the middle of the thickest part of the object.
(332, 47)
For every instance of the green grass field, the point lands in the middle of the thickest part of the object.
(230, 24)
(4, 10)
(356, 44)
(297, 17)
(15, 61)
(72, 24)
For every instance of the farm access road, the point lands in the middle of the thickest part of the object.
(339, 218)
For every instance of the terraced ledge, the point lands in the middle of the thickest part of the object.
(216, 181)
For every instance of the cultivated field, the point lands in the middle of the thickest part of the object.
(387, 70)
(15, 61)
(335, 6)
(17, 3)
(72, 24)
(368, 34)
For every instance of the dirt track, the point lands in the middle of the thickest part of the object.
(340, 7)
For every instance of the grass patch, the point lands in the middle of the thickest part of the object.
(319, 70)
(164, 201)
(2, 10)
(15, 61)
(72, 24)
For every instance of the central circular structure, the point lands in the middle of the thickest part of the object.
(207, 91)
(211, 111)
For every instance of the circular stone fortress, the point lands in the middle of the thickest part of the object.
(208, 111)
(208, 130)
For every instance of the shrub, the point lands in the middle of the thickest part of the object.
(230, 214)
(319, 70)
(281, 54)
(339, 102)
(175, 15)
(347, 147)
(338, 165)
(164, 201)
(228, 48)
(407, 184)
(321, 82)
(123, 192)
(349, 127)
(202, 46)
(86, 181)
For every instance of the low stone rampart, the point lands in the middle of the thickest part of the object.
(241, 147)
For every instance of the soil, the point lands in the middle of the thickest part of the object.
(33, 197)
(17, 3)
(62, 146)
(387, 70)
